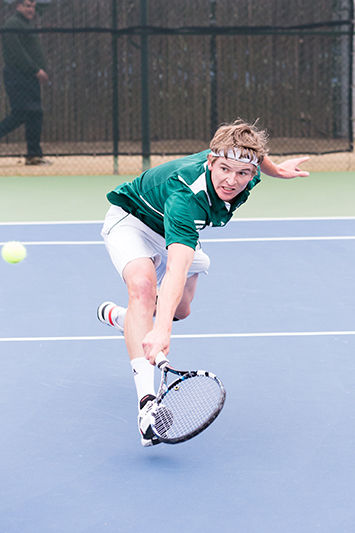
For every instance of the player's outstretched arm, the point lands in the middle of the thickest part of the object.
(286, 170)
(158, 339)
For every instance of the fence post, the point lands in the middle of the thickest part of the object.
(352, 76)
(213, 71)
(145, 89)
(115, 130)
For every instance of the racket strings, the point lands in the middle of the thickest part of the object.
(188, 406)
(163, 420)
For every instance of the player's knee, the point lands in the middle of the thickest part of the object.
(182, 313)
(142, 289)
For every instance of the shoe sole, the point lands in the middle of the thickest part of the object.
(101, 316)
(39, 164)
(101, 311)
(147, 443)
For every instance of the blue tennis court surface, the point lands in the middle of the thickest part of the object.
(274, 319)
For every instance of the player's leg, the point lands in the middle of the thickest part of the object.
(133, 256)
(140, 278)
(200, 265)
(184, 308)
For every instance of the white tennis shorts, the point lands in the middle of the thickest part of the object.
(128, 238)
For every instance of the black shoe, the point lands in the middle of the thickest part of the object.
(37, 160)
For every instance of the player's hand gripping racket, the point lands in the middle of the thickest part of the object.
(186, 406)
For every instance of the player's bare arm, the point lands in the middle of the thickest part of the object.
(286, 170)
(171, 291)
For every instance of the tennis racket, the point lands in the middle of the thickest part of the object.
(186, 406)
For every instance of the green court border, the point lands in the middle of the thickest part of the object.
(63, 198)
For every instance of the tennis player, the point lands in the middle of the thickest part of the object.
(151, 232)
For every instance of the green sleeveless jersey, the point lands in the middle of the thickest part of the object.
(177, 199)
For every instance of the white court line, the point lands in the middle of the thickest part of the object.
(186, 336)
(51, 223)
(58, 243)
(232, 239)
(256, 219)
(275, 219)
(270, 239)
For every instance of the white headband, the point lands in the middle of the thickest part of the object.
(235, 154)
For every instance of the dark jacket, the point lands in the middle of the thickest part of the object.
(22, 51)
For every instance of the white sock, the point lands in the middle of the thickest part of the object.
(143, 373)
(118, 315)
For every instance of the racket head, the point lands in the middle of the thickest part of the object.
(188, 406)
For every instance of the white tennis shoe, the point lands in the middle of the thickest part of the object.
(147, 405)
(112, 315)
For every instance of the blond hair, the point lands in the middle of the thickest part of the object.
(247, 138)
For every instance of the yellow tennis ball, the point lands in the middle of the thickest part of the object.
(13, 252)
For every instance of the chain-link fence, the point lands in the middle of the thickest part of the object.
(157, 77)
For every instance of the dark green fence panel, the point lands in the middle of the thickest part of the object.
(158, 76)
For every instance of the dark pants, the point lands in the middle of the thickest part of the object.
(33, 128)
(25, 99)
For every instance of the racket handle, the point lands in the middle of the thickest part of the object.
(161, 360)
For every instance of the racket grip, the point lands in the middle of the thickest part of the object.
(161, 360)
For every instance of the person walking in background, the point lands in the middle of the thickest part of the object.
(24, 71)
